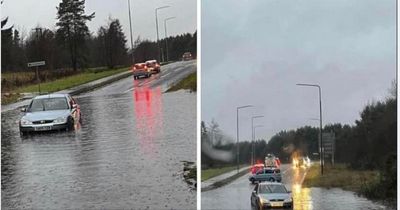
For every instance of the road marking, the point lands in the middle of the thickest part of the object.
(129, 90)
(165, 74)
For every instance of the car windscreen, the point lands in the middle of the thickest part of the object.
(272, 189)
(47, 104)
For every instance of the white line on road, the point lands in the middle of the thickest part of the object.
(165, 74)
(129, 90)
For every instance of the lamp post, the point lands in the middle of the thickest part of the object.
(253, 137)
(166, 36)
(237, 133)
(158, 43)
(130, 26)
(321, 151)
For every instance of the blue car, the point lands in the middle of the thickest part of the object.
(266, 174)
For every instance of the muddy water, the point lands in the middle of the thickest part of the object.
(126, 154)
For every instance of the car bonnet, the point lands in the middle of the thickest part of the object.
(46, 115)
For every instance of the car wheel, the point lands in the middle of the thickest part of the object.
(23, 133)
(271, 179)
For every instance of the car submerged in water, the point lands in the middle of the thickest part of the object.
(50, 112)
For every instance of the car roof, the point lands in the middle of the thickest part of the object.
(151, 61)
(55, 95)
(139, 63)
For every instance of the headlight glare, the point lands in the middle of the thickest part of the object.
(25, 122)
(61, 120)
(288, 200)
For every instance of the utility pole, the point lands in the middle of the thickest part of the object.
(130, 26)
(38, 32)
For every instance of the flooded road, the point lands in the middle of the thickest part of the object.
(127, 153)
(236, 195)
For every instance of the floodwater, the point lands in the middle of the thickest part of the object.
(236, 195)
(127, 153)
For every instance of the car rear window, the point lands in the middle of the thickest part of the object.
(48, 104)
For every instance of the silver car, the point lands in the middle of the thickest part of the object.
(50, 112)
(271, 195)
(266, 174)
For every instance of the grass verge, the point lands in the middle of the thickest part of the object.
(189, 82)
(213, 172)
(63, 83)
(339, 176)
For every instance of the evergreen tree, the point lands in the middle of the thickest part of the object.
(72, 29)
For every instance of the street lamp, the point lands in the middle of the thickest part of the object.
(166, 36)
(130, 26)
(158, 43)
(237, 133)
(320, 125)
(253, 137)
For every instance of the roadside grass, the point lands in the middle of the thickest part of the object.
(213, 172)
(339, 176)
(6, 99)
(189, 82)
(62, 83)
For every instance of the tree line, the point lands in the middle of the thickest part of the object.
(72, 46)
(367, 145)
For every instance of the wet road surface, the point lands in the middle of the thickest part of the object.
(127, 153)
(237, 194)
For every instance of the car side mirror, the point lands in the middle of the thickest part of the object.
(74, 106)
(23, 109)
(254, 192)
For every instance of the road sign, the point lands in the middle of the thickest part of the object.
(328, 143)
(38, 63)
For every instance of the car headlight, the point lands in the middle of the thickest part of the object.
(262, 200)
(25, 122)
(60, 120)
(288, 200)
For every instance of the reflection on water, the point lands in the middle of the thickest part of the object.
(149, 118)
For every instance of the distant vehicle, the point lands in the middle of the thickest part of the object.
(278, 162)
(271, 195)
(266, 174)
(256, 167)
(301, 162)
(50, 112)
(272, 161)
(140, 70)
(153, 66)
(186, 56)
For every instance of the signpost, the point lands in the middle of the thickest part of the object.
(37, 64)
(328, 143)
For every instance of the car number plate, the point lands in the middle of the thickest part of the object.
(44, 128)
(276, 204)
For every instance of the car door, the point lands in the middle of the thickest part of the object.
(263, 175)
(253, 198)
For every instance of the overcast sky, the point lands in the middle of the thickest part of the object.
(27, 14)
(255, 51)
